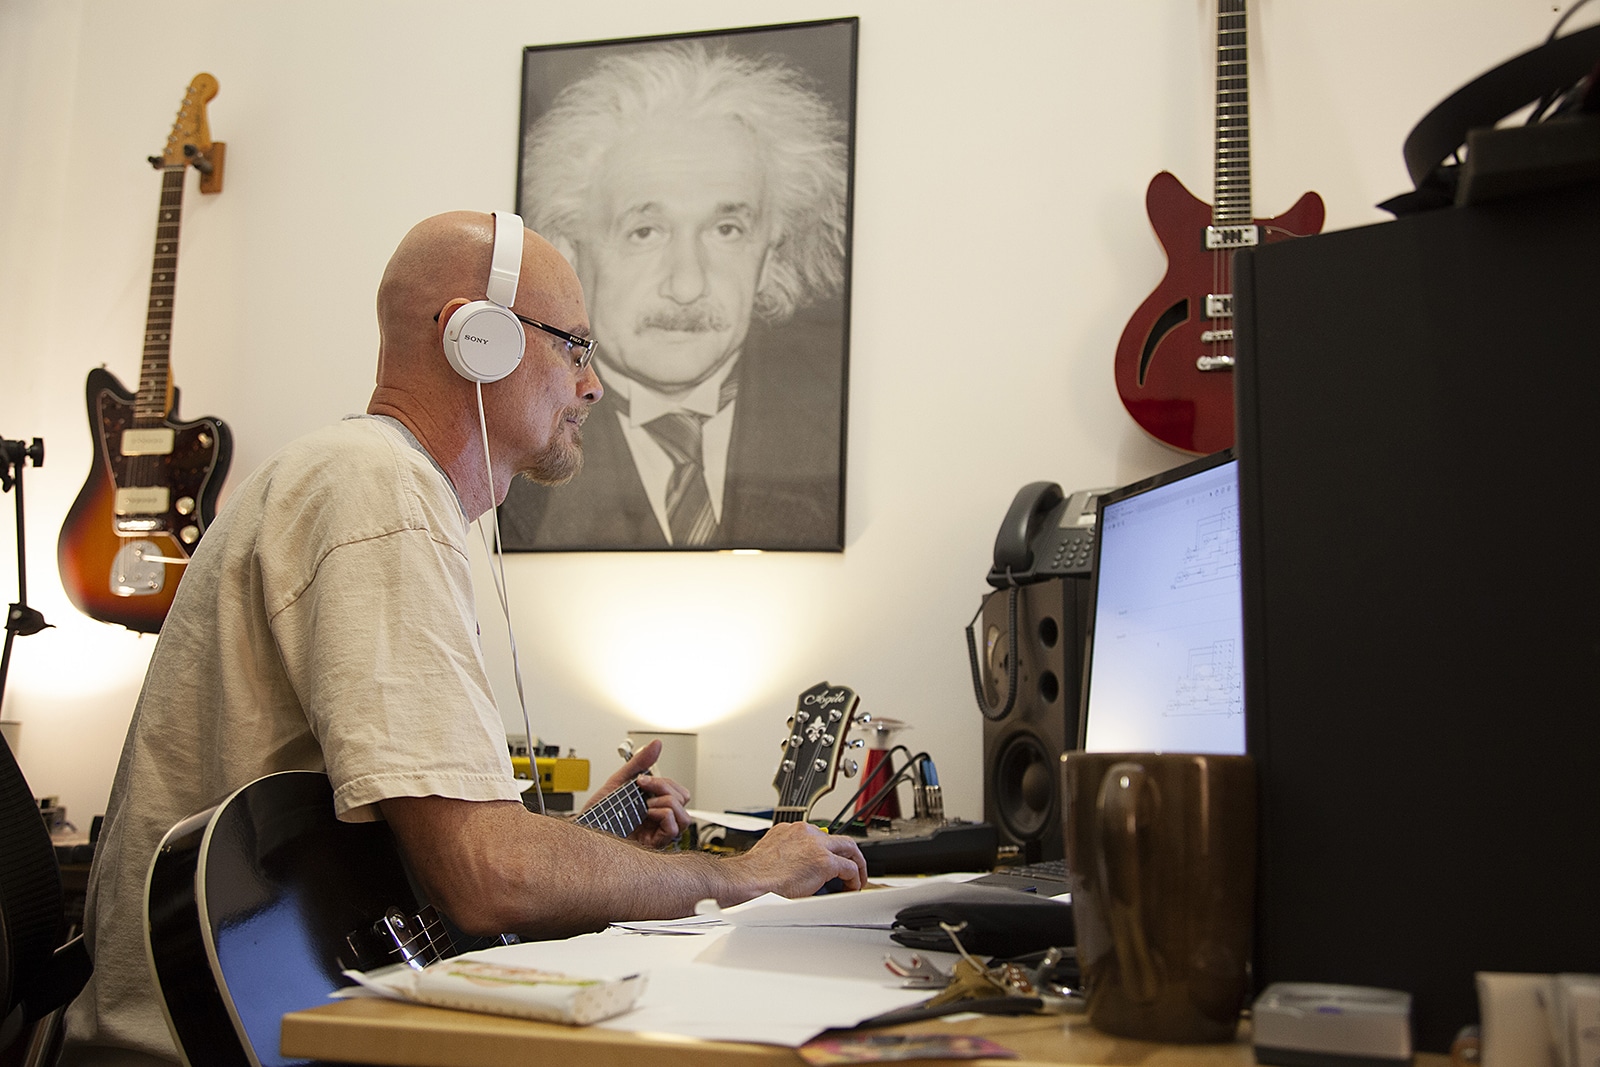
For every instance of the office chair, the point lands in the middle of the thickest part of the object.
(40, 970)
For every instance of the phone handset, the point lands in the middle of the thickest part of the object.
(1019, 530)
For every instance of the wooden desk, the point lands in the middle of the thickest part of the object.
(408, 1035)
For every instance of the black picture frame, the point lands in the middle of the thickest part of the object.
(783, 421)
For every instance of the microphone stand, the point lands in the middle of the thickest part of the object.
(21, 620)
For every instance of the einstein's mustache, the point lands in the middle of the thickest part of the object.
(697, 318)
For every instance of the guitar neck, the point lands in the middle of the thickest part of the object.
(620, 812)
(1233, 118)
(154, 399)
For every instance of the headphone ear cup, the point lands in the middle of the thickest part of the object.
(483, 341)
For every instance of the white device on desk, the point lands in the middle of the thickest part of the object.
(1310, 1024)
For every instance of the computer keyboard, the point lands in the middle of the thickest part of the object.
(1042, 869)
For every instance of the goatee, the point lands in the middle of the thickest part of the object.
(558, 464)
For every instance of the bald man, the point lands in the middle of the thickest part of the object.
(327, 623)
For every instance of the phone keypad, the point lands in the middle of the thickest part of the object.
(1074, 553)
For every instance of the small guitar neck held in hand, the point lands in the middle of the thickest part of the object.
(619, 812)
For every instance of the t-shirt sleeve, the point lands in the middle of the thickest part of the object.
(382, 648)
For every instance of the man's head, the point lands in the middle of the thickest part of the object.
(534, 414)
(691, 189)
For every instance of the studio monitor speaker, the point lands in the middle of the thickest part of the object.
(1022, 748)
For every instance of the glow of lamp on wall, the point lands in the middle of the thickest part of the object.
(682, 666)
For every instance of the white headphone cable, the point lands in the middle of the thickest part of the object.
(496, 554)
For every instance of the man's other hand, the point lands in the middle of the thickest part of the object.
(666, 814)
(796, 859)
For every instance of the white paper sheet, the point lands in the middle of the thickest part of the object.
(771, 970)
(749, 823)
(873, 909)
(697, 999)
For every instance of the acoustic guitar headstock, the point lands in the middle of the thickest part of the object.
(814, 748)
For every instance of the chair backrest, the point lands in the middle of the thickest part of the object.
(32, 923)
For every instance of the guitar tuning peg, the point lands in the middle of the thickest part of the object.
(855, 742)
(849, 767)
(864, 719)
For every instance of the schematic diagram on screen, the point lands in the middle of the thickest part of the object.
(1212, 684)
(1214, 556)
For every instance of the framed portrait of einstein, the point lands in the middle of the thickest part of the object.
(700, 185)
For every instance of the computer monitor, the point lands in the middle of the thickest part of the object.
(1164, 658)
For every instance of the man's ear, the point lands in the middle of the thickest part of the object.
(445, 313)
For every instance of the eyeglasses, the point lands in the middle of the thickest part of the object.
(580, 348)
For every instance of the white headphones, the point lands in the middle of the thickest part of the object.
(483, 340)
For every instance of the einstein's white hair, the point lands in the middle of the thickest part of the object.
(797, 135)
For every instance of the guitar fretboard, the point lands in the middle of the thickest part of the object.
(620, 812)
(1233, 118)
(154, 399)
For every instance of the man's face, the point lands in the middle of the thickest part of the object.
(676, 240)
(541, 406)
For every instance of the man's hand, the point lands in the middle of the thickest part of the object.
(666, 815)
(796, 859)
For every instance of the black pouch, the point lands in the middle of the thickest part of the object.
(993, 927)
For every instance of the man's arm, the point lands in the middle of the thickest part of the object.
(494, 867)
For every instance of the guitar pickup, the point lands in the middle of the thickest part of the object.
(1219, 305)
(1224, 237)
(1210, 337)
(156, 442)
(141, 500)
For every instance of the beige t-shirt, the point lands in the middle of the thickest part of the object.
(326, 623)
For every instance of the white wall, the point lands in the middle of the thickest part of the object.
(1000, 244)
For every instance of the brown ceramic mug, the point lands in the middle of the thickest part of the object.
(1162, 854)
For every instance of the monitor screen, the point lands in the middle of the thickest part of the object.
(1164, 656)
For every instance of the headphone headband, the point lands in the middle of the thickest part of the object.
(506, 266)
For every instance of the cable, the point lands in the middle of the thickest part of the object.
(1011, 663)
(1545, 102)
(497, 555)
(840, 818)
(1562, 21)
(877, 798)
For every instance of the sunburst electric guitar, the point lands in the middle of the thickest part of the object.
(153, 484)
(1174, 363)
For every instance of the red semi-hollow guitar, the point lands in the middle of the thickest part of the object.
(1174, 364)
(153, 484)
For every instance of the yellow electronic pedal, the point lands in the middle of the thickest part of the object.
(557, 774)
